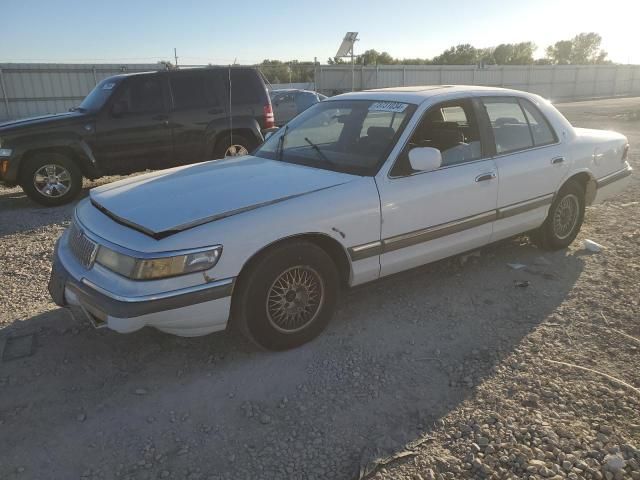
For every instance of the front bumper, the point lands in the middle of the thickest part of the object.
(189, 311)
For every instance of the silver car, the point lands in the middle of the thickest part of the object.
(287, 103)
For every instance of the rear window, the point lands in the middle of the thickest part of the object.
(246, 87)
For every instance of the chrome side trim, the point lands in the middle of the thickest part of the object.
(431, 233)
(220, 289)
(365, 251)
(409, 239)
(521, 207)
(614, 177)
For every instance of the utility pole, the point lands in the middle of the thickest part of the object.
(175, 55)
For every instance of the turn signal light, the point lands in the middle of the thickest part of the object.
(4, 167)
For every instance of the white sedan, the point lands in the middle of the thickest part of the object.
(360, 186)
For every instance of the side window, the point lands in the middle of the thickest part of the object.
(142, 95)
(541, 130)
(193, 91)
(245, 87)
(451, 128)
(509, 124)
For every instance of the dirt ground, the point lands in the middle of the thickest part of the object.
(449, 371)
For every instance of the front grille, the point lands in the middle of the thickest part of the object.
(82, 248)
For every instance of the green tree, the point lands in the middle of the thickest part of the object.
(514, 53)
(463, 54)
(582, 49)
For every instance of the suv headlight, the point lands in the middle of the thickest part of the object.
(162, 266)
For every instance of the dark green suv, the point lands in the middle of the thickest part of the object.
(135, 122)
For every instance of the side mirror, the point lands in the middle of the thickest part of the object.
(425, 159)
(269, 131)
(119, 108)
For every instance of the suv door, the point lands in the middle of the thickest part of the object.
(529, 159)
(431, 215)
(198, 114)
(132, 133)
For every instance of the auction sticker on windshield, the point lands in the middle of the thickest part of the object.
(394, 107)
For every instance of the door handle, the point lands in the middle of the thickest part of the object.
(557, 160)
(486, 176)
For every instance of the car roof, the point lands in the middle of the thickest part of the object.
(183, 70)
(419, 94)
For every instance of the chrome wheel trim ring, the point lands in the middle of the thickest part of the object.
(295, 299)
(52, 180)
(565, 217)
(236, 150)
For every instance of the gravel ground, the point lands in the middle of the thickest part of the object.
(445, 372)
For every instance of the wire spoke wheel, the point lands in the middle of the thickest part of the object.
(52, 180)
(565, 218)
(236, 151)
(295, 299)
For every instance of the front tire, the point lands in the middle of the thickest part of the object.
(51, 179)
(287, 297)
(564, 219)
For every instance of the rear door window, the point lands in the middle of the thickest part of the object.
(193, 91)
(509, 124)
(541, 130)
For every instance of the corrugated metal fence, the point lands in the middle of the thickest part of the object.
(35, 89)
(556, 82)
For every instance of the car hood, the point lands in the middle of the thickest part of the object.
(162, 203)
(41, 121)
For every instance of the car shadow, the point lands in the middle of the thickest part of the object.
(400, 353)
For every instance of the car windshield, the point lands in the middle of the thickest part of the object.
(350, 136)
(99, 95)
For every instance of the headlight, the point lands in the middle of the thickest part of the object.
(159, 267)
(5, 152)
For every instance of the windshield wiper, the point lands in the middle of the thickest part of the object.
(281, 141)
(317, 149)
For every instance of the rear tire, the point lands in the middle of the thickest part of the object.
(51, 179)
(287, 297)
(564, 219)
(235, 146)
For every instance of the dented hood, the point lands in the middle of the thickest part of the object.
(169, 201)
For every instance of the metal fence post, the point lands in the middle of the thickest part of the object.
(95, 77)
(5, 95)
(576, 71)
(404, 76)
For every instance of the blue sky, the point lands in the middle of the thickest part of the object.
(145, 31)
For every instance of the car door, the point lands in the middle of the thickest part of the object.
(198, 112)
(431, 215)
(530, 162)
(133, 133)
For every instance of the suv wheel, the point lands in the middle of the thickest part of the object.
(233, 147)
(51, 179)
(288, 297)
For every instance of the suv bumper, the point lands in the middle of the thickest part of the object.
(187, 312)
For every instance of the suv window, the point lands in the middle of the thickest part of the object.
(245, 87)
(194, 91)
(509, 124)
(541, 130)
(450, 127)
(142, 95)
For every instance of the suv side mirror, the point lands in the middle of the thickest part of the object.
(119, 108)
(425, 159)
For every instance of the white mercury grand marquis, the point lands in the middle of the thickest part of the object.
(360, 186)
